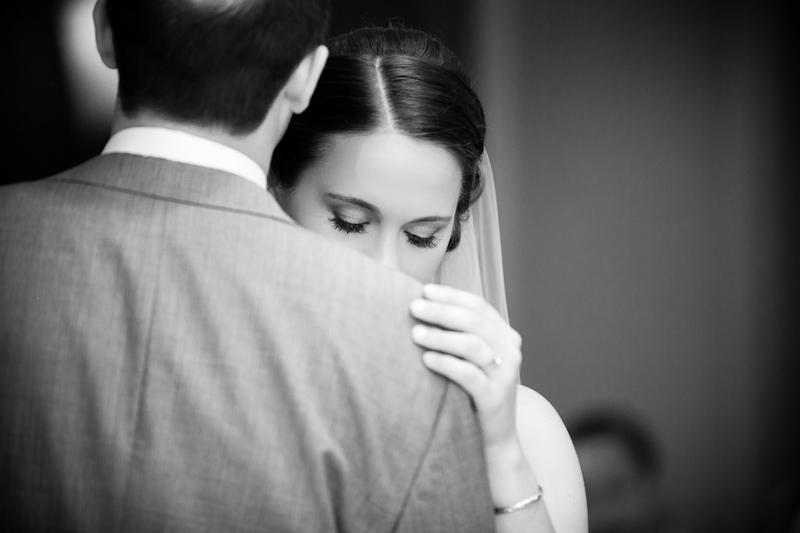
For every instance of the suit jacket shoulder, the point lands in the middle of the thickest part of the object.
(184, 354)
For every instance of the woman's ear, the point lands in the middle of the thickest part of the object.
(304, 79)
(103, 35)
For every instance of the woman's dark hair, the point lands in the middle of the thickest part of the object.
(211, 63)
(395, 78)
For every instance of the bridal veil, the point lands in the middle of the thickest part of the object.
(476, 265)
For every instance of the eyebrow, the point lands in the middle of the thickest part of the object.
(355, 201)
(366, 205)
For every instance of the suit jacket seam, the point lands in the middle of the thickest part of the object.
(175, 200)
(142, 380)
(418, 468)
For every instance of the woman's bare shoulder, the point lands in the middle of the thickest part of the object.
(549, 449)
(534, 409)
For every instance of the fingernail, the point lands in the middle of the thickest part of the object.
(429, 288)
(419, 331)
(417, 306)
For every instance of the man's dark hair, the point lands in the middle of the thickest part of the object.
(397, 77)
(624, 428)
(217, 64)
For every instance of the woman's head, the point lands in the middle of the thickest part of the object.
(394, 115)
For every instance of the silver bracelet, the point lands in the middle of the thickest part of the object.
(520, 505)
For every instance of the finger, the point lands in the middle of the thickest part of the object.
(492, 328)
(464, 345)
(453, 296)
(445, 295)
(471, 378)
(448, 316)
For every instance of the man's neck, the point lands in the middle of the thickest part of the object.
(258, 145)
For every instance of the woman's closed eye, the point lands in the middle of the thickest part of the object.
(431, 241)
(347, 226)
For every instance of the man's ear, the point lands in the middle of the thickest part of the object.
(103, 35)
(272, 184)
(304, 79)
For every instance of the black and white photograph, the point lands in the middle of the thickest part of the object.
(524, 266)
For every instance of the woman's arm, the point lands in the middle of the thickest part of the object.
(471, 344)
(549, 449)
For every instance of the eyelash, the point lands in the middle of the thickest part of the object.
(422, 242)
(361, 227)
(348, 227)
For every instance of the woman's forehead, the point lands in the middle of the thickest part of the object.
(391, 167)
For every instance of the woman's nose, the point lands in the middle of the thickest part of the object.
(387, 253)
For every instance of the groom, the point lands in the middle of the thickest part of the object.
(177, 354)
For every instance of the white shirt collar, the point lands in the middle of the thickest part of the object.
(182, 147)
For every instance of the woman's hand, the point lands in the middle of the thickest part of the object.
(470, 343)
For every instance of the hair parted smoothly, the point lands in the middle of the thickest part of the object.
(215, 63)
(390, 79)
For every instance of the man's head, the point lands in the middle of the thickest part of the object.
(213, 63)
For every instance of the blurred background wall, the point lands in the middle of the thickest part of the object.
(646, 162)
(647, 157)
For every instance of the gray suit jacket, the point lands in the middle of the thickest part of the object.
(176, 354)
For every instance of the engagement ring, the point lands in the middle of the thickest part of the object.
(497, 361)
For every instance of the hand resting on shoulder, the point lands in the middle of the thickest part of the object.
(527, 446)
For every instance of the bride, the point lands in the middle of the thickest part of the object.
(389, 160)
